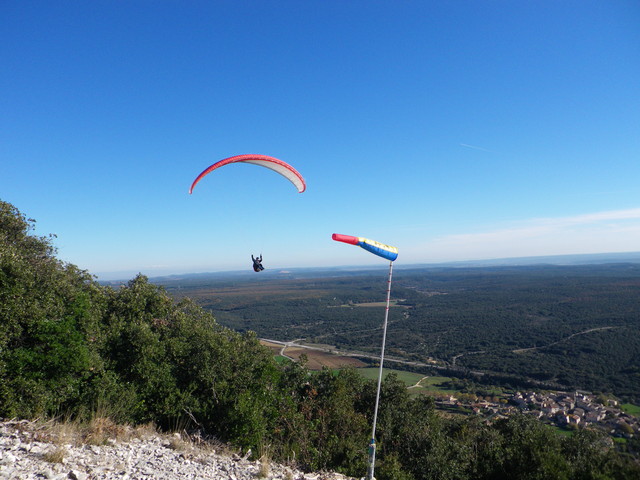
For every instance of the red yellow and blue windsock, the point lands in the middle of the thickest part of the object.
(377, 248)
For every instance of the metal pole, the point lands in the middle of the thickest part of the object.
(372, 444)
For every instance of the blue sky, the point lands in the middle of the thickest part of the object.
(453, 130)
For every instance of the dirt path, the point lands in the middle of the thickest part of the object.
(455, 358)
(533, 349)
(417, 385)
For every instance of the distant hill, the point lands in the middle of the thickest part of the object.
(578, 259)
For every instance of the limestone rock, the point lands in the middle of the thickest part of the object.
(29, 452)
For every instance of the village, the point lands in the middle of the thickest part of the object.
(562, 409)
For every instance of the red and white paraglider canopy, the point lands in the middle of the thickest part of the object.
(266, 161)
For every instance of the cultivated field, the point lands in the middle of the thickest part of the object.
(416, 382)
(316, 359)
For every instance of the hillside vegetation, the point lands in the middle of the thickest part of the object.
(72, 348)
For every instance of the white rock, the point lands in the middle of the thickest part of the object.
(146, 458)
(46, 473)
(7, 471)
(7, 458)
(77, 475)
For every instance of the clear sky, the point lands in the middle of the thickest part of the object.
(453, 130)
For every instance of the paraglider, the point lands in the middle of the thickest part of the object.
(257, 263)
(266, 161)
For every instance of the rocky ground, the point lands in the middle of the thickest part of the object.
(47, 450)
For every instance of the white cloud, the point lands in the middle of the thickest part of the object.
(600, 232)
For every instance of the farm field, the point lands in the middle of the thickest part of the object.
(393, 303)
(274, 347)
(631, 409)
(408, 378)
(418, 383)
(316, 359)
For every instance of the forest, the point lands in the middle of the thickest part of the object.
(71, 347)
(562, 327)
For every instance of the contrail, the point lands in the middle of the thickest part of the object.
(475, 147)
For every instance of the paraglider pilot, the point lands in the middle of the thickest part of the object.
(257, 263)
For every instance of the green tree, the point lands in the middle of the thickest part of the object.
(523, 449)
(184, 365)
(49, 313)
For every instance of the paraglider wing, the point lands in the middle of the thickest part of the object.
(266, 161)
(377, 248)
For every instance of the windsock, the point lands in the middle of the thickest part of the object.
(377, 248)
